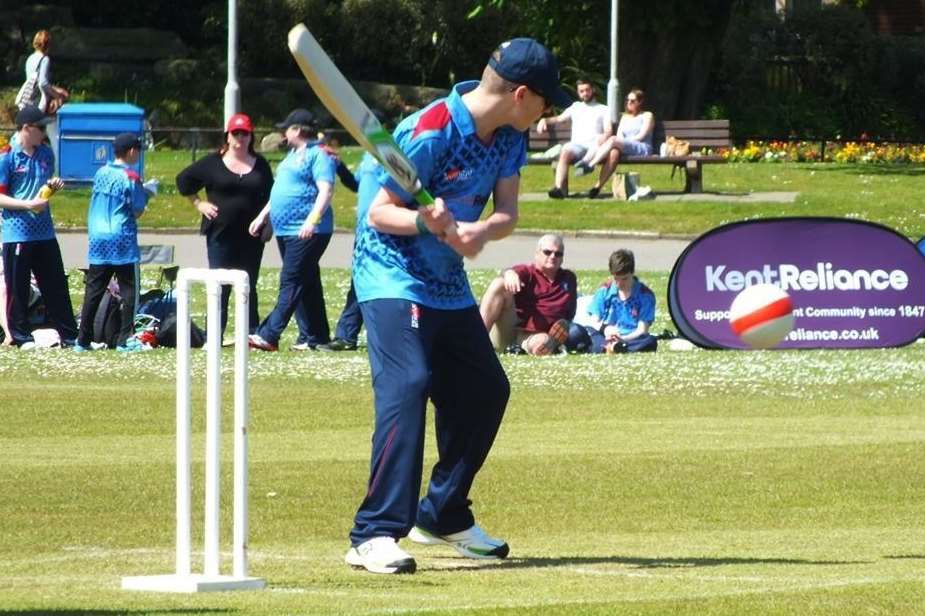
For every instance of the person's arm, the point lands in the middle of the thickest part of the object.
(194, 178)
(513, 283)
(139, 195)
(470, 237)
(642, 328)
(34, 205)
(346, 176)
(648, 123)
(646, 315)
(325, 192)
(544, 123)
(388, 214)
(259, 221)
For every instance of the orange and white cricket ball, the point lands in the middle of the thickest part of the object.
(761, 315)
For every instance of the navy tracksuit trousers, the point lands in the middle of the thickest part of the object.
(416, 353)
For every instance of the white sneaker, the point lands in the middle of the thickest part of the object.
(471, 543)
(380, 555)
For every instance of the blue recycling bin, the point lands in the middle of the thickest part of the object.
(85, 135)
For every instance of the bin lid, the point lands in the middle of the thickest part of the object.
(100, 109)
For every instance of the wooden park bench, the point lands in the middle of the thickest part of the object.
(701, 134)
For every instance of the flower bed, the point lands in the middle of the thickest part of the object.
(811, 151)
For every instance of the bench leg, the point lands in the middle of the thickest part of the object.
(693, 182)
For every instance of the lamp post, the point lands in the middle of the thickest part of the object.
(613, 86)
(232, 90)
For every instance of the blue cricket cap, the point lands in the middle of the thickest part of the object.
(526, 61)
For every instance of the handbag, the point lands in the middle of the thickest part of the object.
(30, 93)
(676, 147)
(266, 231)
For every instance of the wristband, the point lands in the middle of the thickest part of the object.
(314, 218)
(422, 228)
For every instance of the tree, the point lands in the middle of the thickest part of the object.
(666, 47)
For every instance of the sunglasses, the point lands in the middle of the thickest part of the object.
(240, 133)
(558, 253)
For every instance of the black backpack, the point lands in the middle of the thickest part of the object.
(167, 333)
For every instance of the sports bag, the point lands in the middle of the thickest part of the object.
(30, 93)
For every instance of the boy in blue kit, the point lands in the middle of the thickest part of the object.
(118, 199)
(29, 242)
(622, 311)
(425, 335)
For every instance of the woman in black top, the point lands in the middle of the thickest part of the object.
(237, 181)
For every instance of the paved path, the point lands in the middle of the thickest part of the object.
(585, 251)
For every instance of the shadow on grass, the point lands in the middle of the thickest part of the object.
(905, 556)
(97, 612)
(659, 563)
(898, 169)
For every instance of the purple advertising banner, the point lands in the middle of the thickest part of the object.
(853, 284)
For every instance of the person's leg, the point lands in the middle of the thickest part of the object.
(97, 280)
(125, 277)
(251, 265)
(312, 306)
(52, 282)
(470, 392)
(607, 169)
(220, 256)
(643, 344)
(17, 272)
(351, 318)
(4, 320)
(293, 251)
(399, 338)
(495, 303)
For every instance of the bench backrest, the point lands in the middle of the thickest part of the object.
(699, 133)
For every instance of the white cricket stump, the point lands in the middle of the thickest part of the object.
(211, 579)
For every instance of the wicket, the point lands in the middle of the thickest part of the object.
(211, 579)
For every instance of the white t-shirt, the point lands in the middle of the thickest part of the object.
(588, 121)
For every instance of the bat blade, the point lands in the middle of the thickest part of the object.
(339, 97)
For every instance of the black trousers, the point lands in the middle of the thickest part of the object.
(243, 253)
(98, 277)
(42, 258)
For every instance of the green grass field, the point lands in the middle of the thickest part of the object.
(717, 483)
(893, 195)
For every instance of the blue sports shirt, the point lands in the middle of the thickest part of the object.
(607, 306)
(452, 163)
(117, 200)
(294, 190)
(21, 177)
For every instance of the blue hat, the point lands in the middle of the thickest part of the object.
(125, 142)
(525, 61)
(32, 115)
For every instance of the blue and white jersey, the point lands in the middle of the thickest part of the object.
(21, 177)
(117, 200)
(294, 190)
(607, 306)
(452, 163)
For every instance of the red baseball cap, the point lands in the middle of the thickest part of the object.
(239, 121)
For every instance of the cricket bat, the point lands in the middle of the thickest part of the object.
(336, 93)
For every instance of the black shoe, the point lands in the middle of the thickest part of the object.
(515, 349)
(594, 192)
(338, 344)
(556, 193)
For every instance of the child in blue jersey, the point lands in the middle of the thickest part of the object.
(621, 310)
(118, 199)
(425, 336)
(29, 242)
(303, 221)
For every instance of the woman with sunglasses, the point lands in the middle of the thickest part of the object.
(237, 183)
(633, 138)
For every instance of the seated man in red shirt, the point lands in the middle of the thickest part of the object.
(528, 308)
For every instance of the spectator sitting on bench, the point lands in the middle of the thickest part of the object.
(527, 309)
(633, 138)
(590, 126)
(621, 311)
